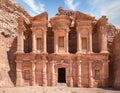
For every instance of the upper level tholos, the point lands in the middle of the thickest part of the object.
(67, 32)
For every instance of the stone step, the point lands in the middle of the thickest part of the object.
(61, 84)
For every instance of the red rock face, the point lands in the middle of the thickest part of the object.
(116, 61)
(8, 25)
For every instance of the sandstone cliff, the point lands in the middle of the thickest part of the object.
(112, 33)
(9, 12)
(116, 61)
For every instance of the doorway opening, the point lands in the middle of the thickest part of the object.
(61, 75)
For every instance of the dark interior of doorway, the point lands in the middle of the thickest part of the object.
(61, 75)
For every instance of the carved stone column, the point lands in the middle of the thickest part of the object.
(34, 42)
(90, 42)
(53, 73)
(91, 83)
(104, 42)
(79, 81)
(20, 42)
(55, 43)
(105, 72)
(20, 39)
(45, 43)
(79, 47)
(33, 73)
(19, 77)
(44, 73)
(67, 42)
(71, 78)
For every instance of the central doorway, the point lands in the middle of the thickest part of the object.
(61, 75)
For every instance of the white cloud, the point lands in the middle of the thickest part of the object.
(71, 5)
(34, 8)
(110, 8)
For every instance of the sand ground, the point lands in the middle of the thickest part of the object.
(58, 89)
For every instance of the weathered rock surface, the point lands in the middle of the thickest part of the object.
(9, 12)
(116, 61)
(113, 45)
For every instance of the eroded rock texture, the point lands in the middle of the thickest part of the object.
(116, 61)
(113, 46)
(9, 12)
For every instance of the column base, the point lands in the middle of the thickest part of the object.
(53, 83)
(104, 52)
(91, 85)
(80, 86)
(90, 52)
(34, 52)
(44, 83)
(62, 53)
(44, 53)
(55, 53)
(79, 52)
(19, 83)
(19, 52)
(67, 53)
(71, 82)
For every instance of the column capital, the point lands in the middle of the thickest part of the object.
(79, 62)
(33, 61)
(44, 61)
(52, 62)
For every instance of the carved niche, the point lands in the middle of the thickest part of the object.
(97, 65)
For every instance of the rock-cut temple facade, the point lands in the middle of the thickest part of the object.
(70, 48)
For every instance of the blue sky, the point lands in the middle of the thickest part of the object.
(97, 8)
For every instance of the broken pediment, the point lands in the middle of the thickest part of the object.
(42, 16)
(83, 16)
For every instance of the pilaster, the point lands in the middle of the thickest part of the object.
(91, 83)
(90, 41)
(34, 48)
(33, 73)
(19, 77)
(45, 43)
(67, 43)
(71, 76)
(79, 47)
(44, 73)
(53, 73)
(20, 38)
(55, 43)
(104, 42)
(79, 80)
